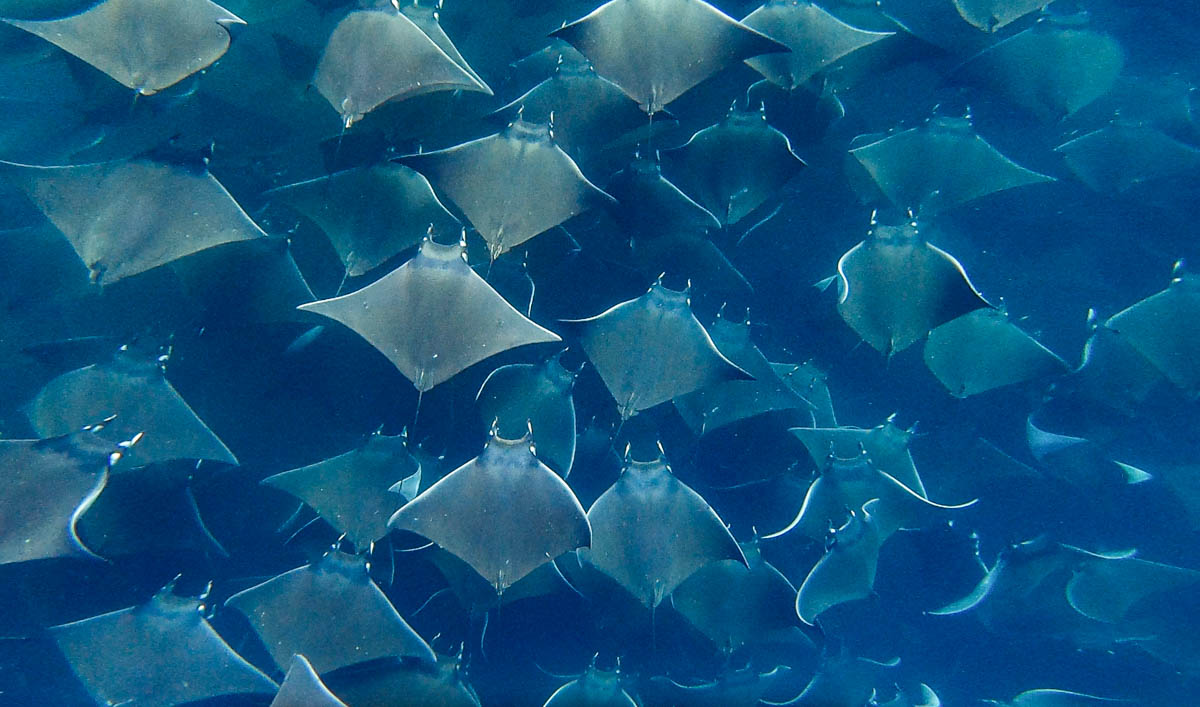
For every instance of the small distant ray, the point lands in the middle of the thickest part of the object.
(939, 165)
(1052, 69)
(330, 612)
(147, 45)
(433, 316)
(656, 50)
(982, 350)
(1122, 155)
(1165, 329)
(353, 491)
(895, 286)
(136, 390)
(406, 682)
(595, 688)
(1050, 697)
(380, 55)
(512, 185)
(536, 397)
(651, 349)
(302, 688)
(885, 445)
(369, 214)
(504, 513)
(650, 532)
(816, 38)
(129, 216)
(992, 15)
(846, 571)
(162, 652)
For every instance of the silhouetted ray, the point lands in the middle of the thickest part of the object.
(939, 165)
(649, 205)
(245, 282)
(380, 55)
(1051, 69)
(735, 166)
(136, 391)
(433, 316)
(733, 605)
(146, 45)
(983, 350)
(991, 15)
(1165, 329)
(129, 216)
(162, 652)
(45, 486)
(406, 683)
(651, 349)
(330, 612)
(302, 688)
(369, 214)
(650, 532)
(895, 286)
(512, 185)
(504, 513)
(656, 50)
(816, 38)
(1122, 155)
(536, 397)
(353, 491)
(1050, 697)
(885, 445)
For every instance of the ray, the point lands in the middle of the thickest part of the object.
(353, 491)
(895, 286)
(428, 18)
(1114, 374)
(478, 595)
(1110, 589)
(433, 316)
(137, 392)
(939, 165)
(651, 349)
(886, 445)
(817, 40)
(1122, 155)
(302, 688)
(650, 532)
(147, 45)
(809, 382)
(734, 605)
(650, 205)
(504, 513)
(743, 687)
(846, 571)
(1051, 697)
(162, 652)
(331, 613)
(843, 679)
(536, 397)
(129, 216)
(694, 257)
(992, 15)
(370, 214)
(1165, 329)
(378, 685)
(380, 55)
(656, 50)
(595, 688)
(1052, 69)
(512, 185)
(47, 484)
(919, 696)
(982, 350)
(245, 282)
(735, 166)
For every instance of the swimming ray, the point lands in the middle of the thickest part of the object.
(992, 15)
(162, 652)
(885, 445)
(380, 55)
(1165, 329)
(369, 214)
(537, 397)
(147, 45)
(1122, 155)
(504, 513)
(651, 349)
(939, 165)
(302, 688)
(656, 50)
(895, 286)
(1052, 69)
(920, 696)
(982, 350)
(735, 166)
(1050, 697)
(330, 612)
(842, 679)
(1109, 589)
(433, 316)
(595, 688)
(1114, 374)
(129, 216)
(650, 532)
(742, 687)
(650, 206)
(817, 40)
(811, 383)
(846, 571)
(512, 185)
(407, 683)
(353, 491)
(137, 392)
(245, 282)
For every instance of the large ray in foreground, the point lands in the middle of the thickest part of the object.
(433, 316)
(146, 45)
(656, 50)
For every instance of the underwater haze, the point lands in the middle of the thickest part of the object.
(646, 352)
